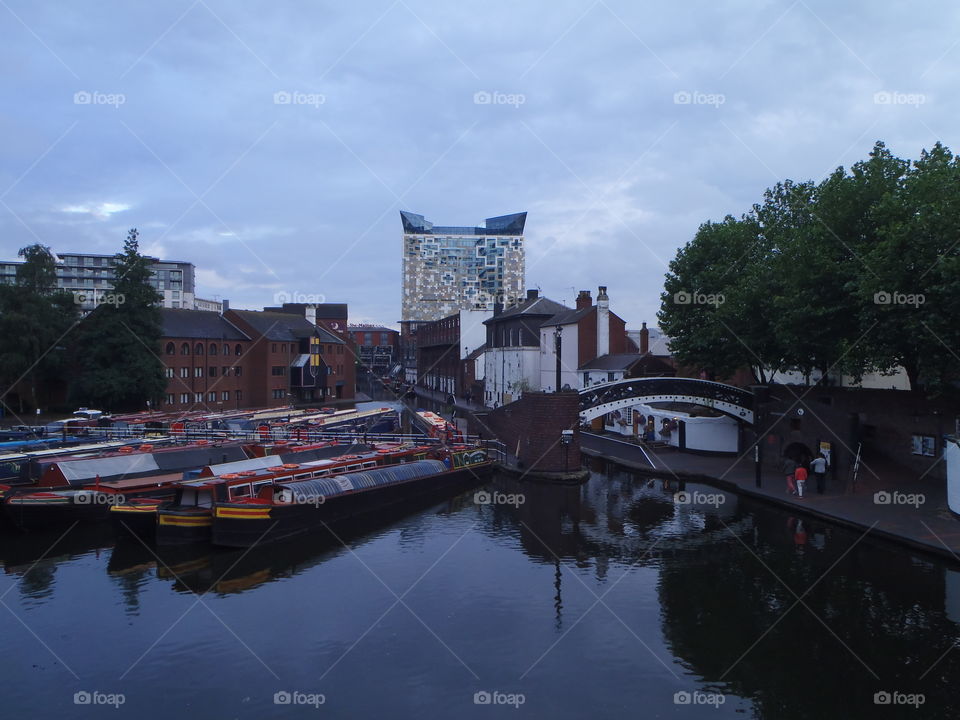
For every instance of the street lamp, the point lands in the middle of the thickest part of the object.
(566, 438)
(559, 346)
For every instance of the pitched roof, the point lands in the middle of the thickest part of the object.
(200, 324)
(540, 306)
(283, 326)
(568, 316)
(477, 353)
(616, 361)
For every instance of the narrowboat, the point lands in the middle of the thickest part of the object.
(189, 516)
(285, 508)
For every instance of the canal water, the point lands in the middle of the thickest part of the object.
(614, 599)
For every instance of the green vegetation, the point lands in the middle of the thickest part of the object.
(859, 273)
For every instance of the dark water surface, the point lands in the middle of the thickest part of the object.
(600, 601)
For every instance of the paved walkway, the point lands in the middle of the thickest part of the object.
(916, 513)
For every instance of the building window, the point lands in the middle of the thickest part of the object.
(184, 349)
(213, 348)
(198, 349)
(238, 371)
(168, 372)
(176, 304)
(211, 397)
(225, 395)
(212, 371)
(184, 398)
(237, 350)
(273, 347)
(169, 399)
(226, 349)
(610, 377)
(278, 370)
(198, 372)
(238, 395)
(171, 349)
(184, 372)
(198, 397)
(279, 394)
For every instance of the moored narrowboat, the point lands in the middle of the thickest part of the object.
(286, 508)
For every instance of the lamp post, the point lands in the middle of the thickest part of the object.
(559, 346)
(566, 438)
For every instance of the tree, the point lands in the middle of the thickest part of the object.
(35, 317)
(119, 343)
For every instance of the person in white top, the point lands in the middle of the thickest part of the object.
(819, 469)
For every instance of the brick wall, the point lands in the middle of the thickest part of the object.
(531, 426)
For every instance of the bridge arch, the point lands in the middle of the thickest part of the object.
(727, 399)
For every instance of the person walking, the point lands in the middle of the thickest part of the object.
(800, 475)
(819, 469)
(789, 467)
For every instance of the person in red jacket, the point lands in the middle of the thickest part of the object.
(800, 475)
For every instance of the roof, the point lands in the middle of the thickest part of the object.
(568, 317)
(501, 225)
(283, 326)
(616, 361)
(544, 307)
(477, 353)
(370, 328)
(198, 324)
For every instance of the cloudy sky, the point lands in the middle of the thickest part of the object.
(273, 144)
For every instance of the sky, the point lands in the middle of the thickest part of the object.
(274, 144)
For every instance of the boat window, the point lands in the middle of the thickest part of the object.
(322, 473)
(351, 468)
(204, 499)
(369, 464)
(240, 491)
(188, 497)
(302, 476)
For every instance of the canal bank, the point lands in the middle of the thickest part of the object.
(885, 502)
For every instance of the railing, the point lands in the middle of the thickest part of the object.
(640, 387)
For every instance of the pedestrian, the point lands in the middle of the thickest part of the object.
(819, 469)
(800, 474)
(789, 467)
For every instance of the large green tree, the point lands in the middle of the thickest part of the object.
(35, 319)
(118, 344)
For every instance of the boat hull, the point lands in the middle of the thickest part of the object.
(182, 525)
(249, 524)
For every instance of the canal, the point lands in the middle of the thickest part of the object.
(614, 599)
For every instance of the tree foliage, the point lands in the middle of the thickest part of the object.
(118, 344)
(858, 273)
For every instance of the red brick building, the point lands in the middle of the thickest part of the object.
(206, 361)
(377, 347)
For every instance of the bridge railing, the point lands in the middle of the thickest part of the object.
(638, 387)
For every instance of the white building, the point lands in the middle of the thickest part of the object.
(512, 357)
(679, 428)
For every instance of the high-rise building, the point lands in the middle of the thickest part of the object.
(447, 269)
(90, 276)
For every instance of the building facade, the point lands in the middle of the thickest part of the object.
(377, 347)
(451, 268)
(90, 277)
(512, 357)
(444, 345)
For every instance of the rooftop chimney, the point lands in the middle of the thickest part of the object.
(224, 305)
(603, 322)
(533, 294)
(310, 313)
(644, 340)
(584, 300)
